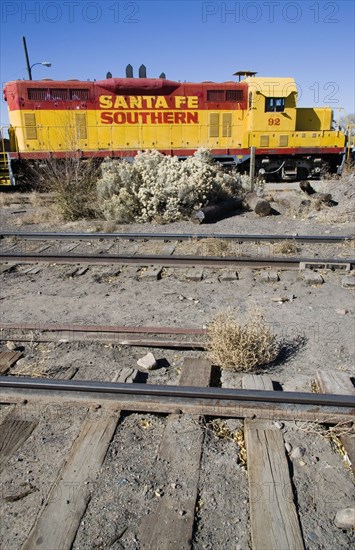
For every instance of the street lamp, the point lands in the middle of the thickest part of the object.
(44, 63)
(29, 67)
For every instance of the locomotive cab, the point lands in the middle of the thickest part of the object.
(291, 142)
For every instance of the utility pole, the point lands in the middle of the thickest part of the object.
(27, 60)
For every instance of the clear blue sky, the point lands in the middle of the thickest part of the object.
(312, 41)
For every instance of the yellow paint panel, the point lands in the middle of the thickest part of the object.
(84, 130)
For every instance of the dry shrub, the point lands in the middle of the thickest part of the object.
(236, 346)
(73, 184)
(337, 430)
(109, 227)
(214, 247)
(286, 247)
(220, 429)
(349, 168)
(40, 199)
(160, 188)
(347, 248)
(8, 199)
(48, 216)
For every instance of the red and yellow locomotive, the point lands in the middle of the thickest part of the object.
(117, 117)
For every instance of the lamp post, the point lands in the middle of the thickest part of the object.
(29, 67)
(44, 63)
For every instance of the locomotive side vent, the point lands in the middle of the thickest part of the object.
(283, 141)
(234, 95)
(80, 124)
(214, 124)
(30, 125)
(37, 94)
(224, 95)
(60, 94)
(227, 124)
(264, 141)
(79, 95)
(215, 95)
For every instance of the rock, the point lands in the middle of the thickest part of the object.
(194, 274)
(342, 311)
(152, 274)
(229, 275)
(270, 277)
(345, 519)
(279, 425)
(297, 453)
(288, 447)
(11, 345)
(280, 299)
(311, 278)
(348, 282)
(313, 536)
(148, 362)
(302, 463)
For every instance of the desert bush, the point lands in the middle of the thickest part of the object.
(238, 346)
(73, 184)
(8, 199)
(286, 247)
(161, 188)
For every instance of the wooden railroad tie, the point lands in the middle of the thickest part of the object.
(273, 515)
(340, 383)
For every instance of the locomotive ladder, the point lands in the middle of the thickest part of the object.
(6, 175)
(350, 130)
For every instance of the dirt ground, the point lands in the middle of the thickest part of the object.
(314, 325)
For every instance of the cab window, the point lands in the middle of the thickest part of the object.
(274, 104)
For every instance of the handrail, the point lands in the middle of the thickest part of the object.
(350, 140)
(2, 140)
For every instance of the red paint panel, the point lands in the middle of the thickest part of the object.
(17, 96)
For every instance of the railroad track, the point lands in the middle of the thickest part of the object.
(195, 400)
(208, 250)
(171, 515)
(176, 237)
(180, 261)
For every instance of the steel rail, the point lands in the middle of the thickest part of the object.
(188, 392)
(176, 236)
(169, 261)
(48, 327)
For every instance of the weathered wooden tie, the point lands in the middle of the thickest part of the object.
(13, 433)
(340, 383)
(273, 516)
(169, 525)
(60, 515)
(8, 359)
